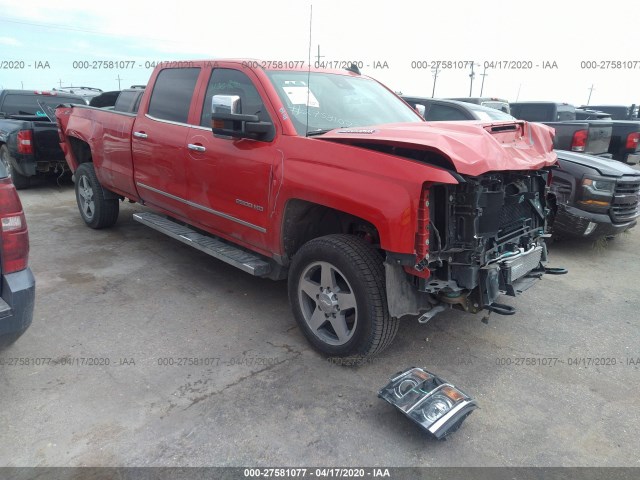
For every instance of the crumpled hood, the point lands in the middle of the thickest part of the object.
(474, 147)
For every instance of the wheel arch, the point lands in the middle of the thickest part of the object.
(304, 221)
(80, 151)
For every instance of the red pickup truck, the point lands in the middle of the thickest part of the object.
(327, 178)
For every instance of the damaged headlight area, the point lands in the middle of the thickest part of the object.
(437, 406)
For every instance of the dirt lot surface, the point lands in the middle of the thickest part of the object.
(123, 315)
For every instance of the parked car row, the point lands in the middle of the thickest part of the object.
(590, 196)
(587, 131)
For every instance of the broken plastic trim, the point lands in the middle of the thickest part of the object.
(436, 406)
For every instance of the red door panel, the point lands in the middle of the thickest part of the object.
(158, 149)
(229, 184)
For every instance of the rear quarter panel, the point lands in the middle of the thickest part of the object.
(108, 134)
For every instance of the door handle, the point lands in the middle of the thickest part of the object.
(140, 134)
(197, 148)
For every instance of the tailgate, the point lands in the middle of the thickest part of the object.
(625, 137)
(599, 137)
(46, 142)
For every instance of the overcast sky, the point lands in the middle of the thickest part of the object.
(40, 41)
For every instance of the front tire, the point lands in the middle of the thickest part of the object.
(19, 181)
(96, 211)
(338, 297)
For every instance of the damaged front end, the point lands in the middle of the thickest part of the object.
(476, 240)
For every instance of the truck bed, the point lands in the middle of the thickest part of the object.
(110, 134)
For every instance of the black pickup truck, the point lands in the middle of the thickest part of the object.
(625, 135)
(585, 136)
(29, 143)
(594, 196)
(617, 112)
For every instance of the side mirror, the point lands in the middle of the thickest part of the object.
(226, 120)
(420, 109)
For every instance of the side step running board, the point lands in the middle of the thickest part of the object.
(246, 261)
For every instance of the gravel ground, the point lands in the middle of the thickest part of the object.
(137, 300)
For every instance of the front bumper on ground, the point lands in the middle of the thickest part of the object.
(573, 222)
(17, 301)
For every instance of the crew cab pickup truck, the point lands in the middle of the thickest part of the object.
(328, 178)
(29, 143)
(594, 197)
(586, 136)
(625, 135)
(617, 112)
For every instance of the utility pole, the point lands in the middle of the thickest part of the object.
(318, 57)
(483, 74)
(472, 75)
(60, 82)
(518, 95)
(119, 79)
(21, 85)
(435, 73)
(590, 92)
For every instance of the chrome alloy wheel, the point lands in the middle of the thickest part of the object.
(85, 193)
(328, 303)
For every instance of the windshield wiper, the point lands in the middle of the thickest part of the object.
(319, 132)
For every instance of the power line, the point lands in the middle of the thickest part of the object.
(483, 75)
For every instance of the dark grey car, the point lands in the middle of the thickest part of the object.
(440, 110)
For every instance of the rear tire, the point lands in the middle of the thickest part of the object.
(19, 181)
(96, 211)
(338, 297)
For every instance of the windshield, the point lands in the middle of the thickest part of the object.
(337, 101)
(489, 113)
(32, 104)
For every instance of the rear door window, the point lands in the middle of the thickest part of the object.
(533, 112)
(172, 94)
(126, 101)
(444, 113)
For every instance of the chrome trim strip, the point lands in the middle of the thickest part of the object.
(202, 207)
(170, 122)
(439, 423)
(89, 107)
